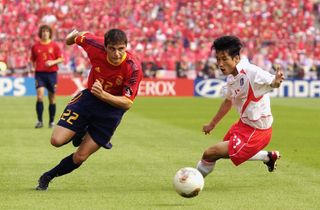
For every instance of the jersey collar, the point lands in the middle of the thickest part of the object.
(45, 42)
(123, 58)
(242, 64)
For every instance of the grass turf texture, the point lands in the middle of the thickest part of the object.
(156, 138)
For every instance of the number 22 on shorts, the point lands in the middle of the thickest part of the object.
(69, 116)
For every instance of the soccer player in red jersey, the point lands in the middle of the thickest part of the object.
(247, 89)
(45, 57)
(96, 111)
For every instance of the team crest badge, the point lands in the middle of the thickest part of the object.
(119, 80)
(241, 82)
(97, 69)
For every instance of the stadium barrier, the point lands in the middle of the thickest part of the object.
(213, 88)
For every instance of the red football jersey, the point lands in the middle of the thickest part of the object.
(42, 52)
(121, 80)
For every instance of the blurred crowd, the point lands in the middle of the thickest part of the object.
(172, 37)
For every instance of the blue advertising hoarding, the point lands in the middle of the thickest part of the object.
(17, 86)
(213, 88)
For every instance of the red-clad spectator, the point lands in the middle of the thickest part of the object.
(187, 23)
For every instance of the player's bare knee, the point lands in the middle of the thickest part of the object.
(79, 158)
(56, 141)
(208, 153)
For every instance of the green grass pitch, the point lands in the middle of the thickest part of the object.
(156, 138)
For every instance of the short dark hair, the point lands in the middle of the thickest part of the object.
(115, 36)
(44, 27)
(231, 44)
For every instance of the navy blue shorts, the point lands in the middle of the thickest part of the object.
(85, 111)
(47, 80)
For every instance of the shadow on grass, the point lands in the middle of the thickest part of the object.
(172, 204)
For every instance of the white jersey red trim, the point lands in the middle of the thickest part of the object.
(248, 92)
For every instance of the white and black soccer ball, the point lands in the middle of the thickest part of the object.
(188, 182)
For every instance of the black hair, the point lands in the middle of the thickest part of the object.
(231, 44)
(44, 27)
(115, 36)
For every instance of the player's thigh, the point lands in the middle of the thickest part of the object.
(39, 80)
(219, 150)
(61, 135)
(75, 117)
(105, 121)
(51, 82)
(86, 148)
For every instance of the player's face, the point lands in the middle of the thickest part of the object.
(226, 63)
(116, 52)
(45, 35)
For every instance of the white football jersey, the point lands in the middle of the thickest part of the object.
(248, 92)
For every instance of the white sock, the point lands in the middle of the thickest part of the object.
(262, 155)
(205, 167)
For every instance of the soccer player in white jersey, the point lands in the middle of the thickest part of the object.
(247, 89)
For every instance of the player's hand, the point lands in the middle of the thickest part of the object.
(97, 89)
(49, 63)
(207, 128)
(279, 74)
(279, 77)
(72, 34)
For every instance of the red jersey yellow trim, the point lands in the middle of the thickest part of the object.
(45, 42)
(123, 58)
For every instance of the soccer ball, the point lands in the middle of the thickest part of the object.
(188, 182)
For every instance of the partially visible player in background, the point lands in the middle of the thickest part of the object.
(96, 111)
(45, 57)
(247, 89)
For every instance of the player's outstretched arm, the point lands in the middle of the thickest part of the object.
(279, 77)
(71, 36)
(223, 110)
